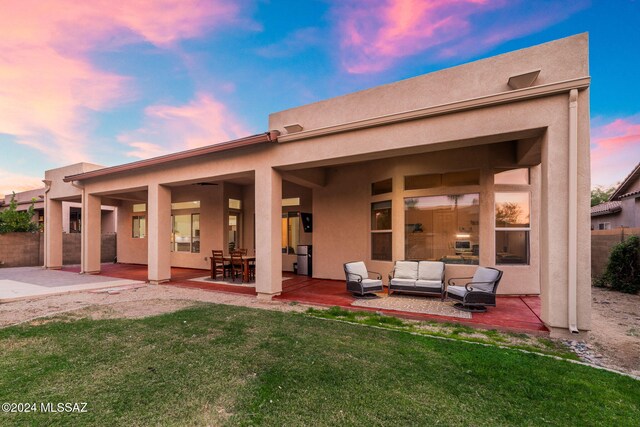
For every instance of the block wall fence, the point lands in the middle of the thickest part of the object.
(27, 249)
(602, 241)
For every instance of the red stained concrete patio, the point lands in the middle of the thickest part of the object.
(513, 313)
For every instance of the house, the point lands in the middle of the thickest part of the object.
(71, 212)
(486, 163)
(623, 207)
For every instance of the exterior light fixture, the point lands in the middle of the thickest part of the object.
(524, 80)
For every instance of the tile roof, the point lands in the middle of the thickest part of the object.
(606, 208)
(626, 183)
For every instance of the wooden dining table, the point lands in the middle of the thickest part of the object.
(246, 259)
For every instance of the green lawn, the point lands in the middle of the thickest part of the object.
(215, 364)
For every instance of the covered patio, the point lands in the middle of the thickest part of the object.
(512, 313)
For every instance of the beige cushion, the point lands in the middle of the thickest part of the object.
(457, 290)
(435, 284)
(484, 274)
(402, 282)
(430, 270)
(406, 270)
(356, 269)
(371, 283)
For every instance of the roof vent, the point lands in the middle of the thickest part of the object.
(524, 80)
(293, 128)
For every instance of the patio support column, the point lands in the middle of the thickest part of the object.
(52, 234)
(91, 233)
(268, 193)
(159, 230)
(565, 251)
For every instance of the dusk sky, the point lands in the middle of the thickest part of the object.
(111, 82)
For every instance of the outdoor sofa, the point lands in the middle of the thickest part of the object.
(418, 277)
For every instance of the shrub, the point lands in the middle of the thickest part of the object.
(623, 269)
(12, 220)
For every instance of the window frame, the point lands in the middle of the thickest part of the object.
(381, 231)
(289, 249)
(192, 246)
(527, 230)
(133, 227)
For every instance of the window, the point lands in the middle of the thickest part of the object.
(291, 201)
(139, 227)
(381, 233)
(185, 234)
(513, 176)
(604, 226)
(442, 228)
(513, 227)
(185, 205)
(290, 232)
(140, 207)
(233, 236)
(382, 187)
(451, 179)
(235, 204)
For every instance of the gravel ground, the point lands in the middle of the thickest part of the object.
(129, 303)
(614, 341)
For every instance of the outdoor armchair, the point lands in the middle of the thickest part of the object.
(358, 281)
(478, 293)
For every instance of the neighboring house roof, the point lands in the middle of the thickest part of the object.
(606, 208)
(623, 189)
(260, 138)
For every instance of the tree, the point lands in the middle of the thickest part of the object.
(601, 194)
(507, 214)
(12, 220)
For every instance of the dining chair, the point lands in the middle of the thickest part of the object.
(237, 265)
(218, 265)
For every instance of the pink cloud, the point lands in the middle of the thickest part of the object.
(615, 150)
(376, 34)
(10, 181)
(50, 88)
(167, 128)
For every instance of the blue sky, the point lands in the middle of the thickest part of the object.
(108, 84)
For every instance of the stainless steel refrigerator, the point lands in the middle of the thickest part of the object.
(304, 260)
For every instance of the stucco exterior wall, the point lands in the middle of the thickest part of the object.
(479, 122)
(342, 229)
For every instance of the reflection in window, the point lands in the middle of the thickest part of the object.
(512, 247)
(450, 179)
(186, 205)
(513, 227)
(290, 232)
(291, 201)
(185, 233)
(195, 233)
(382, 187)
(513, 176)
(381, 231)
(233, 236)
(139, 227)
(235, 204)
(512, 210)
(442, 228)
(140, 207)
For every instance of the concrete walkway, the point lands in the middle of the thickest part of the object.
(31, 282)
